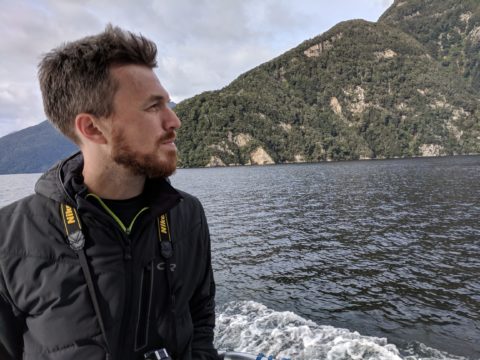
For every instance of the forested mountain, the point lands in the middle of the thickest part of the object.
(449, 29)
(360, 90)
(407, 85)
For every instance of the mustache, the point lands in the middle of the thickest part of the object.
(169, 136)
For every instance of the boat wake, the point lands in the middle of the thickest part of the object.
(251, 327)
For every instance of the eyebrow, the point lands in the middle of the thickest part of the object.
(155, 99)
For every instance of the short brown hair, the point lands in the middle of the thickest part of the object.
(74, 77)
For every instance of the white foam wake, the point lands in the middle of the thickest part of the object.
(251, 327)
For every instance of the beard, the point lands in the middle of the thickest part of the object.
(150, 165)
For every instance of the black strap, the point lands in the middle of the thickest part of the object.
(76, 240)
(166, 250)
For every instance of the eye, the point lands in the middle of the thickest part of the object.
(154, 107)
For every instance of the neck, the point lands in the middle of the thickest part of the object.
(109, 180)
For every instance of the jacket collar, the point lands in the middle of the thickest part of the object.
(64, 183)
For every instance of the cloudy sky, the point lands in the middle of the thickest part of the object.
(203, 44)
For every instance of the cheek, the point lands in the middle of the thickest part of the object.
(144, 133)
(148, 139)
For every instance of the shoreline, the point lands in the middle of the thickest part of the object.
(327, 161)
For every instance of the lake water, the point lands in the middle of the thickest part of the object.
(348, 260)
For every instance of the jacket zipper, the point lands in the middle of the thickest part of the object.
(128, 296)
(128, 260)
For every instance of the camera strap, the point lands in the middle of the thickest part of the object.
(166, 250)
(76, 240)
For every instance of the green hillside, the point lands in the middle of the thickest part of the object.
(449, 29)
(360, 90)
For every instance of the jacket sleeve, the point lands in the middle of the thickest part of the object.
(202, 305)
(11, 330)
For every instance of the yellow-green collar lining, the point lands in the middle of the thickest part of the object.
(125, 229)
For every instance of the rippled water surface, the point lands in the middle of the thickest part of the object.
(389, 249)
(386, 248)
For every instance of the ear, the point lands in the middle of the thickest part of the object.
(88, 129)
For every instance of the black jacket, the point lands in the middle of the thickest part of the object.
(46, 311)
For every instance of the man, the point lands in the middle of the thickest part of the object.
(107, 260)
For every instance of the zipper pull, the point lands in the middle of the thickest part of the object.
(128, 252)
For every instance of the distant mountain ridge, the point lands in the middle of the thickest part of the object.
(404, 86)
(33, 149)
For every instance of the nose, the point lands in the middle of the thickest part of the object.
(172, 121)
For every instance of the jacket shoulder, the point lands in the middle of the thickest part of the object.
(189, 211)
(189, 199)
(25, 208)
(191, 204)
(28, 224)
(22, 206)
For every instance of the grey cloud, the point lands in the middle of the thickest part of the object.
(20, 106)
(386, 3)
(30, 29)
(197, 69)
(203, 44)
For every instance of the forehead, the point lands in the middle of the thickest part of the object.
(136, 82)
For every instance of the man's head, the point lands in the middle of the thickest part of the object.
(75, 78)
(102, 90)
